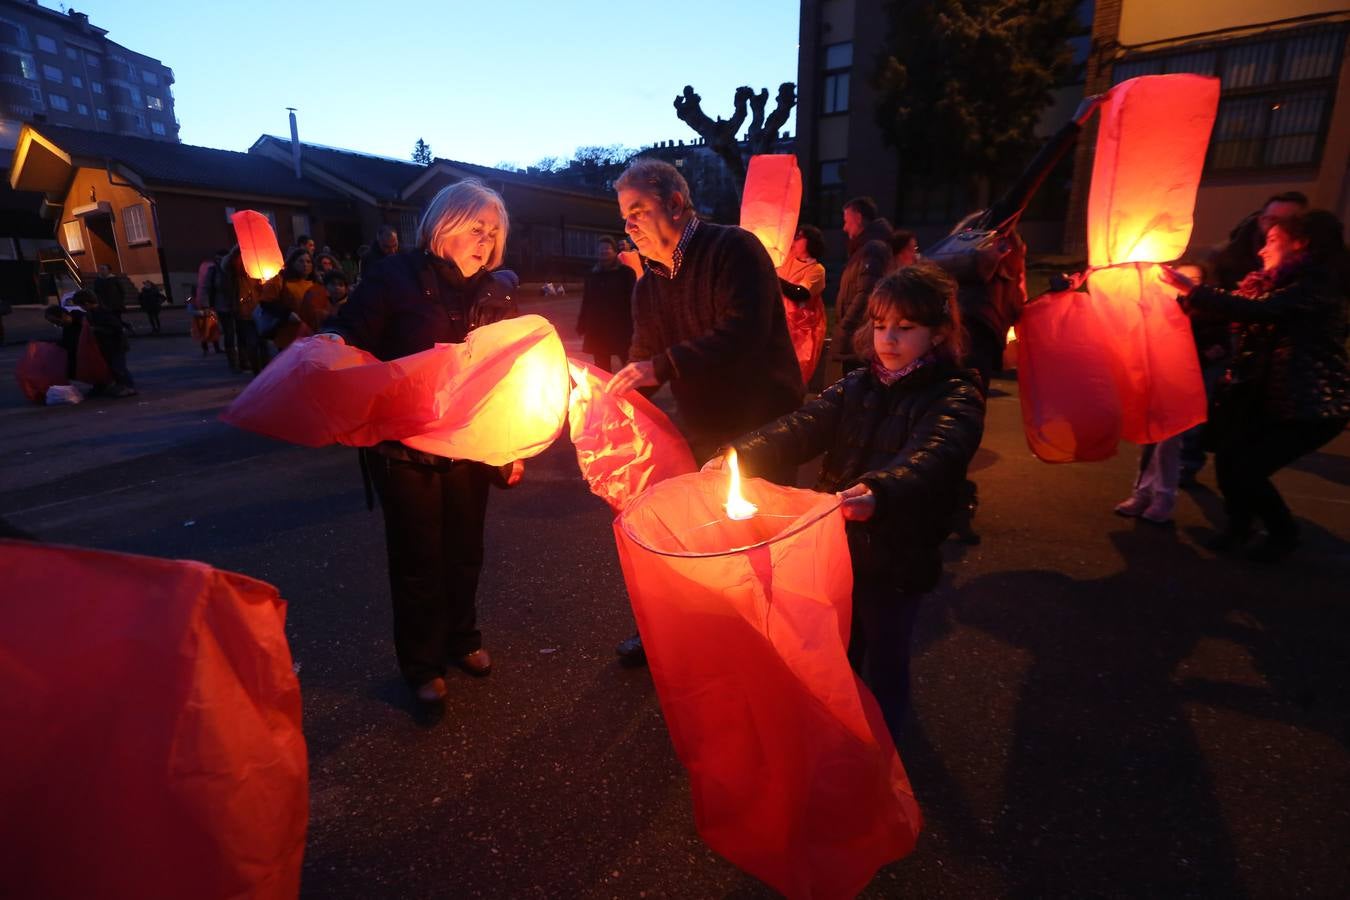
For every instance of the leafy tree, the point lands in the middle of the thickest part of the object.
(963, 83)
(422, 153)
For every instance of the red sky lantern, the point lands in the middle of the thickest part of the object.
(1120, 361)
(499, 396)
(184, 772)
(624, 443)
(770, 202)
(1151, 147)
(781, 740)
(258, 248)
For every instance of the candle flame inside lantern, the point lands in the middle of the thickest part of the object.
(1012, 334)
(738, 507)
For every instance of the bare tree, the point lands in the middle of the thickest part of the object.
(721, 134)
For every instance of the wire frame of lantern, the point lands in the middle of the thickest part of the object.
(687, 516)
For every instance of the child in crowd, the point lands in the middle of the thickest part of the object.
(898, 437)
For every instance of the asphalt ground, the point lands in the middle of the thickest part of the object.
(1101, 707)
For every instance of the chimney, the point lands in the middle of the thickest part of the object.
(295, 142)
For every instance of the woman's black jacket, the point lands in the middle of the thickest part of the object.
(910, 442)
(1291, 346)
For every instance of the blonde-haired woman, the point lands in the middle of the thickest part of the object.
(434, 508)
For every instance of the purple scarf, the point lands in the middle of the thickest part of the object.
(889, 377)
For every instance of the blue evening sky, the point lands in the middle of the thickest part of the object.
(485, 82)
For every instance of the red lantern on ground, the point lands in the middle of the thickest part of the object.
(771, 201)
(42, 365)
(499, 396)
(1151, 148)
(152, 730)
(782, 742)
(624, 443)
(258, 248)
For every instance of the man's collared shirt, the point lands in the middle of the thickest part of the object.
(678, 256)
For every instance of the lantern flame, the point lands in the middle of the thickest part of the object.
(737, 506)
(1012, 334)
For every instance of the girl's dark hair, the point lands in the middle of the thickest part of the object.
(815, 241)
(902, 238)
(925, 295)
(84, 297)
(1324, 233)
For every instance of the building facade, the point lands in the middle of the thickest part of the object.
(1284, 108)
(58, 68)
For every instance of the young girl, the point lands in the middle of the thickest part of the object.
(897, 437)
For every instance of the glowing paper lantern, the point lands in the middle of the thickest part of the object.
(624, 443)
(258, 248)
(771, 201)
(499, 396)
(1067, 380)
(152, 730)
(793, 772)
(1150, 152)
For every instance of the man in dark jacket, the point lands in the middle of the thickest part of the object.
(707, 317)
(151, 299)
(866, 264)
(605, 322)
(386, 244)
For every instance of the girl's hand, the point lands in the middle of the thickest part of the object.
(330, 336)
(858, 503)
(716, 464)
(633, 375)
(513, 472)
(1183, 284)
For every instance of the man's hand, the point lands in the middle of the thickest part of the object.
(858, 503)
(330, 336)
(633, 375)
(513, 472)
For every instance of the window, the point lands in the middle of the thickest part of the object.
(133, 222)
(72, 54)
(53, 74)
(834, 88)
(102, 115)
(74, 237)
(153, 102)
(157, 127)
(407, 227)
(45, 44)
(76, 81)
(830, 195)
(82, 109)
(27, 66)
(57, 101)
(1276, 96)
(149, 77)
(92, 60)
(96, 87)
(135, 94)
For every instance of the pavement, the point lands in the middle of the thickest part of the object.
(1101, 707)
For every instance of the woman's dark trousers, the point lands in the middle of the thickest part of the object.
(879, 646)
(1248, 457)
(433, 525)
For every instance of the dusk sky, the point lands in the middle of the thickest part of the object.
(508, 81)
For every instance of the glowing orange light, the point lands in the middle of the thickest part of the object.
(258, 246)
(737, 506)
(770, 202)
(1012, 334)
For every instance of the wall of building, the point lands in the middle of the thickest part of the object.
(139, 261)
(1147, 21)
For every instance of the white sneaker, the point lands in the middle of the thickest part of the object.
(1136, 504)
(1159, 512)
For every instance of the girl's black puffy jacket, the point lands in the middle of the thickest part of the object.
(910, 442)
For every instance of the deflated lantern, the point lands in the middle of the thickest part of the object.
(151, 719)
(624, 443)
(771, 201)
(793, 773)
(499, 396)
(258, 248)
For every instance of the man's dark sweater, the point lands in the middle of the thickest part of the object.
(718, 334)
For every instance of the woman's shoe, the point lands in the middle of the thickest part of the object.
(1273, 548)
(1159, 510)
(476, 663)
(432, 691)
(1135, 504)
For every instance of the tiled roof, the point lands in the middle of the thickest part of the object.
(380, 176)
(172, 164)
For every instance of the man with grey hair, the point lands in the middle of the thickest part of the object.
(707, 318)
